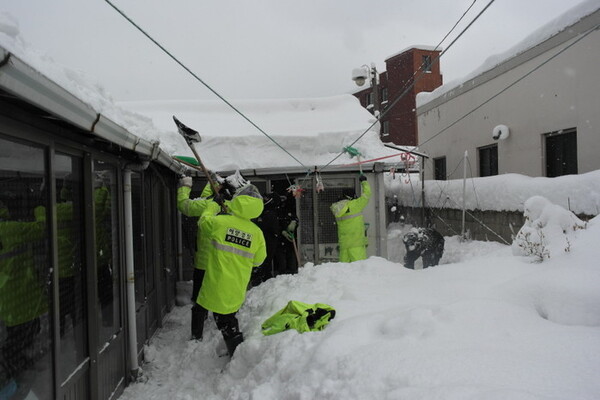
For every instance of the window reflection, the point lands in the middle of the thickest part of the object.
(107, 249)
(71, 271)
(25, 276)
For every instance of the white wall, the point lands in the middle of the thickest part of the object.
(564, 93)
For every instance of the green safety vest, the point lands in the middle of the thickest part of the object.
(300, 316)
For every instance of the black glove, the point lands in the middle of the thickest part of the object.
(218, 198)
(362, 178)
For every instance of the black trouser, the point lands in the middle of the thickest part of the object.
(230, 329)
(227, 323)
(198, 313)
(197, 283)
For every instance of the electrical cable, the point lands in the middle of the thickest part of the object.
(414, 81)
(511, 85)
(481, 223)
(202, 82)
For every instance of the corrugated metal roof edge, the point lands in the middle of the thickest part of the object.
(25, 82)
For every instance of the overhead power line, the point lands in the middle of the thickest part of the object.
(167, 52)
(511, 85)
(416, 79)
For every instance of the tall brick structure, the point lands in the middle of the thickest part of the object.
(399, 123)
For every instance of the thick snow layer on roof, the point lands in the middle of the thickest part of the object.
(82, 86)
(545, 32)
(296, 132)
(419, 47)
(277, 117)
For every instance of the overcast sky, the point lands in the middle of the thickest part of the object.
(250, 49)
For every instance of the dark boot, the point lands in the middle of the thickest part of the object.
(198, 317)
(233, 342)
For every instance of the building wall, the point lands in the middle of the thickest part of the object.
(561, 94)
(401, 72)
(62, 247)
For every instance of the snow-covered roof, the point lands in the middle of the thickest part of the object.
(563, 23)
(417, 47)
(301, 133)
(74, 97)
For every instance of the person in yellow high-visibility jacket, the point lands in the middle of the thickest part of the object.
(23, 292)
(235, 246)
(351, 224)
(195, 208)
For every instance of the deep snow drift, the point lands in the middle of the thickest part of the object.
(482, 325)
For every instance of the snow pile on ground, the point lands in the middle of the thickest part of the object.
(548, 230)
(507, 192)
(482, 325)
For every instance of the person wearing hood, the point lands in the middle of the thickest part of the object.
(195, 208)
(351, 225)
(235, 245)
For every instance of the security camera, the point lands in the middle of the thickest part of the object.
(359, 76)
(500, 132)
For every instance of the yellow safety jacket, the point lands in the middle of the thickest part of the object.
(235, 246)
(195, 208)
(300, 316)
(22, 293)
(351, 225)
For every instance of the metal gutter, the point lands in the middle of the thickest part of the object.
(23, 81)
(258, 172)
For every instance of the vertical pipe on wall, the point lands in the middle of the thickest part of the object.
(422, 177)
(129, 266)
(464, 205)
(179, 247)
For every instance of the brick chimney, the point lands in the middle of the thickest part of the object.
(399, 123)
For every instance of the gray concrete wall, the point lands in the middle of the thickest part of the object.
(497, 226)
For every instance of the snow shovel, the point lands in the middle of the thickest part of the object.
(192, 136)
(188, 161)
(354, 152)
(296, 250)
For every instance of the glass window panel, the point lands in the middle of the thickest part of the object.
(439, 168)
(138, 238)
(488, 160)
(71, 271)
(25, 274)
(107, 249)
(561, 153)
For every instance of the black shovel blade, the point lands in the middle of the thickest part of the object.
(190, 135)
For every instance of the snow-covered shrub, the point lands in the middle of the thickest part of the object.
(548, 230)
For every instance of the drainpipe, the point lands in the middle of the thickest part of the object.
(131, 317)
(179, 247)
(464, 202)
(129, 266)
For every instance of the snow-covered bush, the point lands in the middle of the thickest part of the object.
(548, 230)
